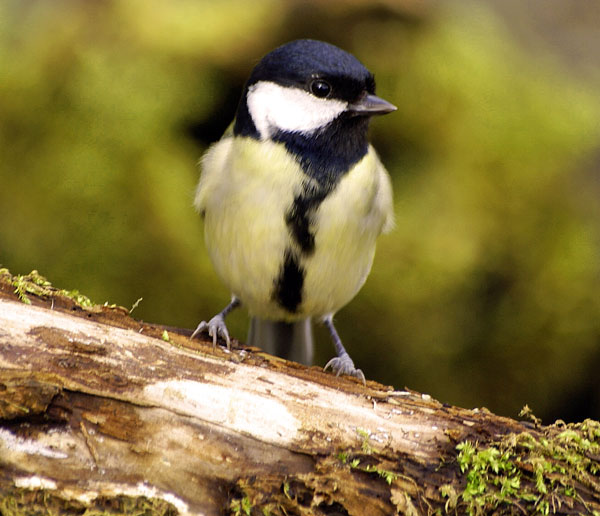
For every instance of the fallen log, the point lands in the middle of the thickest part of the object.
(104, 413)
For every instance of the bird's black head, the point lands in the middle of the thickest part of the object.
(318, 68)
(316, 99)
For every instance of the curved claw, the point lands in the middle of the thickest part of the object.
(215, 328)
(344, 365)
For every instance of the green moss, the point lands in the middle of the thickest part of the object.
(388, 476)
(286, 490)
(37, 285)
(365, 435)
(367, 449)
(531, 472)
(240, 507)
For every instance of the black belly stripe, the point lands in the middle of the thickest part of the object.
(299, 216)
(324, 158)
(288, 287)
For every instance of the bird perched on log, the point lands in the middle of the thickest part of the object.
(294, 197)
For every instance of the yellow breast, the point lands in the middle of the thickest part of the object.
(245, 191)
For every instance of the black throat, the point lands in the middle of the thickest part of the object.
(327, 154)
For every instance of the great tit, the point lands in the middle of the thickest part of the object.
(293, 198)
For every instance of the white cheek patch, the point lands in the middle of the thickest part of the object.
(274, 107)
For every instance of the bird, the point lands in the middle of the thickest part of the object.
(293, 198)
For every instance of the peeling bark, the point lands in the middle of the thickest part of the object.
(98, 411)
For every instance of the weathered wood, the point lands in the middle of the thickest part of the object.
(98, 410)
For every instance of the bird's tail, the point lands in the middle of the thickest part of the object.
(292, 341)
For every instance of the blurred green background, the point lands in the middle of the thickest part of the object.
(487, 292)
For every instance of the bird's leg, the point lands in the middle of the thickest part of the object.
(342, 364)
(216, 327)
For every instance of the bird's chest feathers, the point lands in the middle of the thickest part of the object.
(245, 190)
(266, 220)
(350, 209)
(261, 183)
(269, 194)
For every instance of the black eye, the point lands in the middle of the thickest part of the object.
(320, 88)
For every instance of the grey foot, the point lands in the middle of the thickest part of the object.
(215, 328)
(344, 365)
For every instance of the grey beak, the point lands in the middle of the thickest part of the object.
(368, 105)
